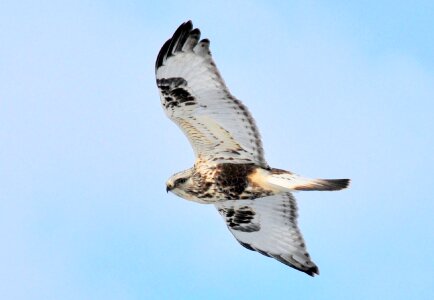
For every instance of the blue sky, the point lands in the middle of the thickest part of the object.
(338, 90)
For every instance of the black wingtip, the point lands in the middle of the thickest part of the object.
(161, 54)
(312, 271)
(175, 43)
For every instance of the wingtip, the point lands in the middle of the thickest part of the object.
(176, 42)
(309, 267)
(312, 272)
(187, 25)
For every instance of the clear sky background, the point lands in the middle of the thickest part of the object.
(338, 89)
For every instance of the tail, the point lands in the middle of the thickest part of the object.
(293, 182)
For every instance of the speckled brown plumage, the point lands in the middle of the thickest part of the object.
(226, 182)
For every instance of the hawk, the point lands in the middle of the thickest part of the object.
(230, 170)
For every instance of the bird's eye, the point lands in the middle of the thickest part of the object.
(180, 181)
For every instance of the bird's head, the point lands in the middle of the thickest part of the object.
(181, 183)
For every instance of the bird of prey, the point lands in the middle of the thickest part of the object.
(230, 170)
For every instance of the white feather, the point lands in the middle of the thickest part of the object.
(217, 124)
(278, 235)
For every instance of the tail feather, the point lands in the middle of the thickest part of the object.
(323, 185)
(292, 182)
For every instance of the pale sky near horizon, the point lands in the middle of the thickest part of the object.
(337, 90)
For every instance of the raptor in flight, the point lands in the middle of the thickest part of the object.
(230, 170)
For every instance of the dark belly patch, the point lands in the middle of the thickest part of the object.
(231, 179)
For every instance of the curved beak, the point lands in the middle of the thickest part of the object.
(168, 188)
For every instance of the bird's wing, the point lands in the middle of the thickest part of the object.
(269, 226)
(195, 97)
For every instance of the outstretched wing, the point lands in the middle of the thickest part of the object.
(195, 97)
(269, 226)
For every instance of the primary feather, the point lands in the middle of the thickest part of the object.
(268, 225)
(194, 96)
